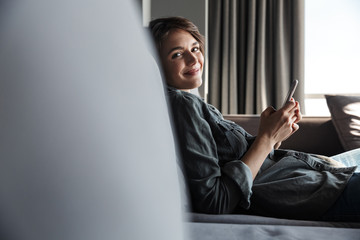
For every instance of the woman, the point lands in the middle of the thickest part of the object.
(228, 170)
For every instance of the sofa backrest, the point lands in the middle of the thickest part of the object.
(316, 134)
(77, 160)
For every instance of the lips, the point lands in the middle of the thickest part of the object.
(193, 71)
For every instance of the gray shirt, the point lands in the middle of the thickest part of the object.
(289, 184)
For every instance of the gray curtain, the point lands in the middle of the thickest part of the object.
(255, 50)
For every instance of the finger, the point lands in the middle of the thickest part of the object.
(289, 105)
(291, 100)
(268, 111)
(295, 108)
(295, 127)
(296, 105)
(298, 117)
(298, 113)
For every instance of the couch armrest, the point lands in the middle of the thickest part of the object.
(316, 134)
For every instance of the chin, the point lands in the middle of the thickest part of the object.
(193, 86)
(198, 83)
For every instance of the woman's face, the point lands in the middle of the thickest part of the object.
(182, 60)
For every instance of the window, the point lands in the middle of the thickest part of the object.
(332, 51)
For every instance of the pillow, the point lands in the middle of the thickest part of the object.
(345, 115)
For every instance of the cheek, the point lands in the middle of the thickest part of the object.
(173, 69)
(169, 73)
(201, 59)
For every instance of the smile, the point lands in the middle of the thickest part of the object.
(193, 71)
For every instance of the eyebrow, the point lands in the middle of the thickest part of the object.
(181, 48)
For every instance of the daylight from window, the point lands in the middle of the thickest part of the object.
(332, 51)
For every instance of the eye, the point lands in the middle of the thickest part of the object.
(176, 55)
(195, 49)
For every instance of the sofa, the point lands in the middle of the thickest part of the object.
(316, 135)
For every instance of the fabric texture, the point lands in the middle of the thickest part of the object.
(244, 219)
(349, 158)
(255, 49)
(347, 207)
(215, 231)
(345, 114)
(289, 184)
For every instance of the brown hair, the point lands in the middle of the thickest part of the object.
(161, 27)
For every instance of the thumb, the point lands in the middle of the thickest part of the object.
(268, 111)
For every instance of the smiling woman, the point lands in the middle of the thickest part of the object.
(182, 60)
(181, 51)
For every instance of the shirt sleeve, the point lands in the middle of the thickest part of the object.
(213, 189)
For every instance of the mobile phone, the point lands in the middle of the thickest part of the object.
(291, 91)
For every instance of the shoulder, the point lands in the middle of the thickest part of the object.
(179, 95)
(184, 101)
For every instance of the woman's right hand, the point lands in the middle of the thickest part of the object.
(277, 126)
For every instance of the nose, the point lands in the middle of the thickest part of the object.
(191, 59)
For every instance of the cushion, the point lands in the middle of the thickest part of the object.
(345, 115)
